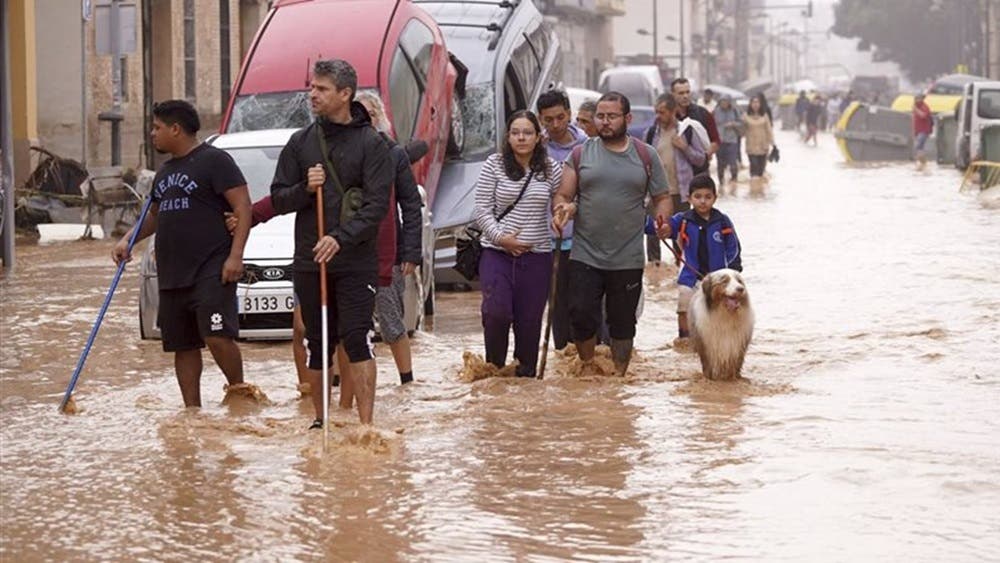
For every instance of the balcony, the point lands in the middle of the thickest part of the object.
(610, 7)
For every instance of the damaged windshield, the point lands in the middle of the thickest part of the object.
(273, 110)
(478, 116)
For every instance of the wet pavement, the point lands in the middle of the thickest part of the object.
(868, 426)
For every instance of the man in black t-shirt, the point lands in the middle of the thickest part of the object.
(197, 261)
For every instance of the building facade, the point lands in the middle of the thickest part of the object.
(188, 49)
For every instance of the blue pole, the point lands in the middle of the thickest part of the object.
(104, 308)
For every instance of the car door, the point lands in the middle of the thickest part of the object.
(418, 95)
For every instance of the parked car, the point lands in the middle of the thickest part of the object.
(979, 108)
(512, 56)
(264, 294)
(397, 50)
(641, 84)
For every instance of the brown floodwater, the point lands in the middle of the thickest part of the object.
(868, 426)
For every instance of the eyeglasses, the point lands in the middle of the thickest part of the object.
(608, 116)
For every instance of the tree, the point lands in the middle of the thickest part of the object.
(925, 37)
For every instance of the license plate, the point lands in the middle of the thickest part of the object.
(257, 302)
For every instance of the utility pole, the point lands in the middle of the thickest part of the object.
(6, 146)
(656, 34)
(683, 40)
(115, 115)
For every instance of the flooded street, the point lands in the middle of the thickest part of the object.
(868, 427)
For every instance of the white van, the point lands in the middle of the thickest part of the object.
(641, 84)
(979, 108)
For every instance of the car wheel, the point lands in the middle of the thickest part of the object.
(456, 133)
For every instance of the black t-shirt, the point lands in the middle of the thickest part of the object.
(191, 237)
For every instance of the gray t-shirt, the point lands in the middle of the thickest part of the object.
(611, 213)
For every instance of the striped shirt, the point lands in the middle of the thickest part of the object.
(529, 218)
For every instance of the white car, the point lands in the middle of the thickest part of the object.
(264, 295)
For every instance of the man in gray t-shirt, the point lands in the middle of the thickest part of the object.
(606, 194)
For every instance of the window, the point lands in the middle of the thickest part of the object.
(513, 93)
(190, 82)
(989, 104)
(527, 68)
(405, 92)
(225, 60)
(417, 42)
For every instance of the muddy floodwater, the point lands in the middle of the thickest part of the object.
(868, 426)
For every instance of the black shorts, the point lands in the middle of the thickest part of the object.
(621, 290)
(350, 306)
(189, 315)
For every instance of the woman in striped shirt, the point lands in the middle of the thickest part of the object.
(516, 264)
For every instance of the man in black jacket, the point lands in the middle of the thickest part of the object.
(355, 172)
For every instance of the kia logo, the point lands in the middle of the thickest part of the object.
(273, 273)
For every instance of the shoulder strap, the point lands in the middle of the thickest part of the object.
(651, 133)
(326, 159)
(645, 157)
(519, 196)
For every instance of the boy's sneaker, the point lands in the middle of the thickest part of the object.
(316, 424)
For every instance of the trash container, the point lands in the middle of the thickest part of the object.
(989, 144)
(945, 129)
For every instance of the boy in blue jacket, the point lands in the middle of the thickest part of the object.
(707, 240)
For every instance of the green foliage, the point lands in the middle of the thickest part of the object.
(925, 37)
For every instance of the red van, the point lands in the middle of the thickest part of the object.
(396, 48)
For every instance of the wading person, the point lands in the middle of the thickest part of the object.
(585, 118)
(708, 242)
(561, 137)
(680, 152)
(403, 223)
(197, 261)
(730, 124)
(923, 125)
(513, 198)
(605, 191)
(344, 156)
(759, 139)
(681, 89)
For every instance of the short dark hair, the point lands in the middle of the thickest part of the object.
(676, 81)
(666, 98)
(617, 97)
(708, 91)
(178, 112)
(340, 72)
(551, 99)
(702, 182)
(589, 105)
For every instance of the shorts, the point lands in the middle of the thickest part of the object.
(389, 307)
(189, 315)
(350, 305)
(920, 141)
(621, 290)
(684, 295)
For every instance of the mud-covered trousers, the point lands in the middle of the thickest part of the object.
(514, 290)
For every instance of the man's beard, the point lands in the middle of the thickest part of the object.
(616, 135)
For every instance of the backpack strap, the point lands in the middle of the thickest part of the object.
(647, 160)
(650, 134)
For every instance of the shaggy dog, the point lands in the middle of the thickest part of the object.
(721, 323)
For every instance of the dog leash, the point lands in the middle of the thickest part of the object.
(679, 258)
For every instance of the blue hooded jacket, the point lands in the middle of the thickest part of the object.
(713, 242)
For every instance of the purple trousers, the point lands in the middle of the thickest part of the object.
(515, 291)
